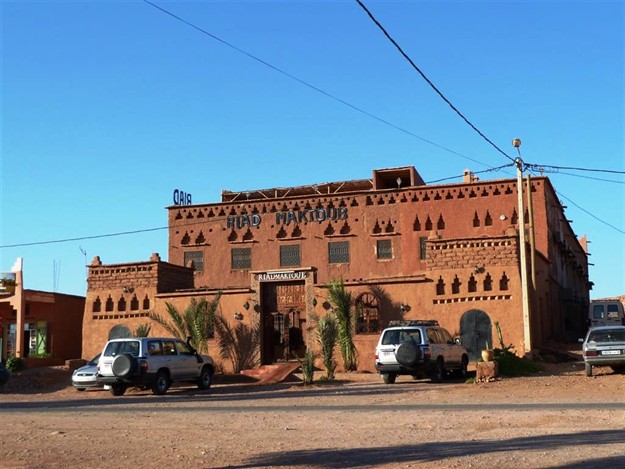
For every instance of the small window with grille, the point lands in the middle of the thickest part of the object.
(338, 252)
(384, 249)
(197, 257)
(422, 251)
(290, 256)
(241, 258)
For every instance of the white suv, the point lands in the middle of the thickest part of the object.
(416, 348)
(152, 362)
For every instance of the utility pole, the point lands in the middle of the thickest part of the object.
(527, 335)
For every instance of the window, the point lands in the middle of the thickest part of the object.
(433, 336)
(367, 308)
(384, 249)
(597, 312)
(422, 251)
(241, 258)
(197, 257)
(290, 256)
(338, 253)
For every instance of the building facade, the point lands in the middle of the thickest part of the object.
(44, 328)
(404, 249)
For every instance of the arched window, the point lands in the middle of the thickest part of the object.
(97, 305)
(368, 311)
(119, 332)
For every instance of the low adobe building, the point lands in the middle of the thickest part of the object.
(49, 323)
(404, 249)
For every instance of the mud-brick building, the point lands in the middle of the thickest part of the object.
(404, 249)
(43, 328)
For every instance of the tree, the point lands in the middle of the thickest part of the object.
(327, 333)
(197, 322)
(239, 344)
(341, 301)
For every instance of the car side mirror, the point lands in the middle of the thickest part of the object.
(457, 341)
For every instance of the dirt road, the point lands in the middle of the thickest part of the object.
(559, 418)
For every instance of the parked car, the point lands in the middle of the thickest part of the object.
(604, 346)
(154, 363)
(87, 375)
(4, 374)
(419, 347)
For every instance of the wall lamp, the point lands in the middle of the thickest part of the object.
(238, 316)
(479, 269)
(128, 289)
(246, 305)
(404, 307)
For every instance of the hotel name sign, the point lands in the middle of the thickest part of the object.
(292, 216)
(283, 275)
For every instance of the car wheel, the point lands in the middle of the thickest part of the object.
(117, 389)
(588, 368)
(80, 389)
(124, 365)
(206, 378)
(408, 353)
(439, 372)
(618, 369)
(389, 378)
(160, 384)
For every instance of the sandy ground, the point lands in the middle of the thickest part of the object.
(558, 418)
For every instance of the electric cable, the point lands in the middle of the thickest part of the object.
(313, 87)
(591, 214)
(539, 167)
(429, 82)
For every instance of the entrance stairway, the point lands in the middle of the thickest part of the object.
(270, 374)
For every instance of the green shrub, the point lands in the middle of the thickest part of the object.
(512, 365)
(14, 364)
(308, 366)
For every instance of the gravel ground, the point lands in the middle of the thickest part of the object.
(558, 418)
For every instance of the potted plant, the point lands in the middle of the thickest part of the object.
(488, 353)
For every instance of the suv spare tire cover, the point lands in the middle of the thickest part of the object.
(408, 353)
(123, 365)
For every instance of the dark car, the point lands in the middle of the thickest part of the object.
(604, 346)
(4, 374)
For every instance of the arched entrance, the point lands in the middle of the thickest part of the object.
(475, 331)
(119, 332)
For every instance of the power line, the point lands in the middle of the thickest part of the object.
(539, 167)
(588, 177)
(591, 214)
(473, 172)
(397, 46)
(311, 86)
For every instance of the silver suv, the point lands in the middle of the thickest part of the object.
(419, 348)
(152, 363)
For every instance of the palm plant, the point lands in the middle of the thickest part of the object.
(143, 330)
(308, 366)
(239, 344)
(327, 333)
(341, 301)
(197, 322)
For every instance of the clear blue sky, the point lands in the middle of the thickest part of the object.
(107, 107)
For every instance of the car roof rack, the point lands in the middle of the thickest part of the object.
(414, 322)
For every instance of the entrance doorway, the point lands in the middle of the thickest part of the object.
(476, 331)
(283, 310)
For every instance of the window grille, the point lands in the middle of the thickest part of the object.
(385, 249)
(422, 251)
(338, 253)
(368, 311)
(197, 257)
(290, 256)
(241, 258)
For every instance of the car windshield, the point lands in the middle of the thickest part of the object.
(607, 335)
